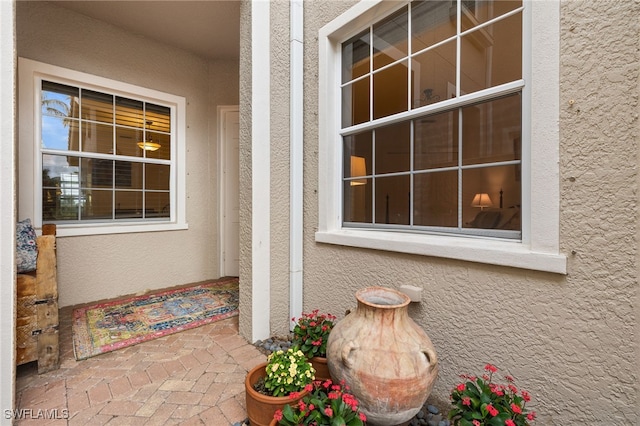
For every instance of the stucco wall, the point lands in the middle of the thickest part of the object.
(246, 275)
(280, 144)
(104, 266)
(568, 339)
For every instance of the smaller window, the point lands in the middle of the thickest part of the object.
(106, 157)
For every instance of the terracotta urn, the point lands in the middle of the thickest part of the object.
(386, 358)
(260, 407)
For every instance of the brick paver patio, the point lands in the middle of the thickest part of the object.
(195, 377)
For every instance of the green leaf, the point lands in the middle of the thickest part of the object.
(477, 416)
(498, 420)
(337, 421)
(453, 412)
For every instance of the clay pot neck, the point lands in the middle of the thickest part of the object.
(382, 301)
(382, 298)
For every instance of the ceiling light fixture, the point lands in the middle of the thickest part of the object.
(149, 144)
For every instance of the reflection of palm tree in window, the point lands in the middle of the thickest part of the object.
(56, 107)
(60, 107)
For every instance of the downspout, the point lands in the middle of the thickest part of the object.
(296, 13)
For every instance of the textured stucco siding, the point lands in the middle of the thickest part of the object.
(246, 274)
(104, 266)
(280, 148)
(568, 339)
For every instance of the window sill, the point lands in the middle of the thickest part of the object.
(503, 253)
(74, 230)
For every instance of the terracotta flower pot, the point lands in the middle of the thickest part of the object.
(322, 369)
(260, 407)
(386, 358)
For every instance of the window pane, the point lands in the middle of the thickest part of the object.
(431, 23)
(491, 131)
(158, 118)
(392, 200)
(157, 204)
(161, 152)
(477, 12)
(97, 138)
(97, 106)
(436, 199)
(355, 103)
(59, 100)
(390, 88)
(157, 176)
(129, 112)
(436, 141)
(435, 75)
(492, 55)
(128, 204)
(393, 148)
(390, 39)
(97, 173)
(60, 133)
(98, 204)
(127, 141)
(355, 57)
(357, 155)
(60, 187)
(491, 198)
(128, 175)
(357, 201)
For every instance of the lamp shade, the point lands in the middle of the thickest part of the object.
(358, 168)
(481, 200)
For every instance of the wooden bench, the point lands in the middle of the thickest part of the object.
(37, 308)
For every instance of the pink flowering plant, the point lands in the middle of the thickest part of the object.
(327, 404)
(311, 333)
(480, 402)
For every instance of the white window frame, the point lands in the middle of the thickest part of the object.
(31, 73)
(539, 247)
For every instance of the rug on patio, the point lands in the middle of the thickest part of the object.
(107, 326)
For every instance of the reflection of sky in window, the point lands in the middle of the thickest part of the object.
(55, 135)
(56, 125)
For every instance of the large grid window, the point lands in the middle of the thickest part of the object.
(104, 157)
(431, 119)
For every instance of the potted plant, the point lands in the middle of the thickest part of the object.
(284, 379)
(480, 402)
(327, 404)
(310, 335)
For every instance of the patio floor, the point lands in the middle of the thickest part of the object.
(195, 377)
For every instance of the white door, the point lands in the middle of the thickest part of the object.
(229, 117)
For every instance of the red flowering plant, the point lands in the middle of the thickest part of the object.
(311, 333)
(480, 402)
(327, 404)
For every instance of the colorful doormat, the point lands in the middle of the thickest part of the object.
(108, 326)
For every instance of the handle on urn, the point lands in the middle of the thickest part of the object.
(431, 356)
(346, 351)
